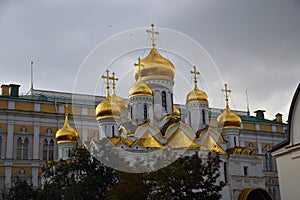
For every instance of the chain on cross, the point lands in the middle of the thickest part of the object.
(152, 34)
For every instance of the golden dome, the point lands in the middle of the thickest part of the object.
(176, 111)
(119, 101)
(155, 66)
(140, 88)
(66, 133)
(196, 96)
(108, 109)
(229, 119)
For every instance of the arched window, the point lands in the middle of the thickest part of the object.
(45, 149)
(190, 117)
(145, 112)
(131, 112)
(25, 148)
(269, 161)
(164, 100)
(203, 116)
(19, 148)
(51, 150)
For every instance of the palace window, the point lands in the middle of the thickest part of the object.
(164, 100)
(269, 162)
(48, 149)
(45, 149)
(22, 148)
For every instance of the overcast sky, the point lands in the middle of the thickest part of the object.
(254, 44)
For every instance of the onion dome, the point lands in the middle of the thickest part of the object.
(155, 66)
(119, 101)
(108, 109)
(66, 133)
(228, 119)
(140, 88)
(196, 95)
(176, 111)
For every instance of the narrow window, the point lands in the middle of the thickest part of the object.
(131, 112)
(45, 149)
(19, 148)
(164, 100)
(51, 150)
(25, 148)
(190, 117)
(234, 141)
(145, 112)
(203, 117)
(245, 170)
(113, 131)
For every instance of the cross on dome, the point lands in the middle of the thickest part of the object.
(152, 35)
(139, 68)
(114, 79)
(227, 91)
(107, 77)
(195, 73)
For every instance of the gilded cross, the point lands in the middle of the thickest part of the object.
(195, 73)
(139, 68)
(107, 77)
(152, 34)
(114, 79)
(227, 91)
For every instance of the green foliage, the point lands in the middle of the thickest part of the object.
(189, 177)
(20, 191)
(82, 177)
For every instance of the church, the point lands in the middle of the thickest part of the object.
(39, 126)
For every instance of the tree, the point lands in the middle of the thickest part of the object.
(82, 177)
(21, 191)
(189, 177)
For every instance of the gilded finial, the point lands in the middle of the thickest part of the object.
(114, 79)
(227, 91)
(195, 73)
(67, 108)
(152, 35)
(107, 82)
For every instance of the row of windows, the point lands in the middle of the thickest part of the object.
(23, 149)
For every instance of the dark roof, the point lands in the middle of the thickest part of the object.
(292, 107)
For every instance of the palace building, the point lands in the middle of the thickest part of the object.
(38, 127)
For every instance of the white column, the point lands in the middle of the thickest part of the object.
(36, 134)
(35, 179)
(7, 177)
(9, 144)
